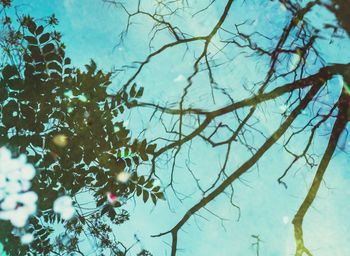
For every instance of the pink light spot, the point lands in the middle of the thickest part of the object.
(112, 198)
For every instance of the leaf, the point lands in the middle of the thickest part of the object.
(100, 202)
(143, 144)
(141, 180)
(40, 67)
(149, 184)
(48, 48)
(9, 71)
(42, 231)
(10, 108)
(31, 26)
(27, 58)
(39, 30)
(128, 162)
(143, 156)
(133, 91)
(150, 149)
(140, 92)
(111, 213)
(106, 106)
(67, 61)
(37, 141)
(68, 71)
(82, 219)
(138, 190)
(105, 209)
(121, 109)
(160, 195)
(35, 52)
(53, 56)
(136, 160)
(44, 38)
(55, 75)
(145, 196)
(154, 199)
(132, 187)
(31, 40)
(3, 93)
(156, 189)
(126, 152)
(55, 66)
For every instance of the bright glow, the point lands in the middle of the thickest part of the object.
(123, 177)
(179, 79)
(64, 206)
(112, 199)
(60, 140)
(285, 219)
(17, 203)
(27, 238)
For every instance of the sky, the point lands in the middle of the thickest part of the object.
(91, 30)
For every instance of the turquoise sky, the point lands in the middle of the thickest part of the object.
(90, 30)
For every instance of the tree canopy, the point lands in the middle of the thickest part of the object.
(66, 124)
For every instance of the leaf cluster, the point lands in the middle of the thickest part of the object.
(62, 118)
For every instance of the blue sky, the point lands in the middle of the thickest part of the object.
(90, 30)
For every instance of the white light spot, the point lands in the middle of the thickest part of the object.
(285, 219)
(27, 238)
(283, 108)
(123, 177)
(179, 78)
(64, 206)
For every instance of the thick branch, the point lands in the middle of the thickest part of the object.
(324, 73)
(338, 128)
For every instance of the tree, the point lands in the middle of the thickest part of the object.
(294, 71)
(66, 124)
(219, 106)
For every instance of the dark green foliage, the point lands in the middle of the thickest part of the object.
(64, 121)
